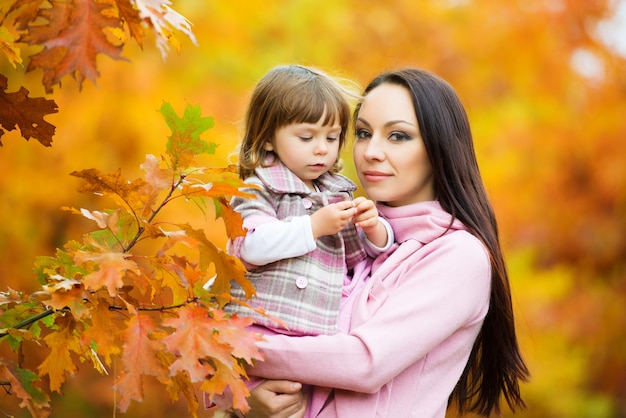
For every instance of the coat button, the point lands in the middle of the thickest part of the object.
(307, 203)
(301, 282)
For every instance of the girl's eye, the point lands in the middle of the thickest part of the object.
(399, 137)
(306, 138)
(332, 138)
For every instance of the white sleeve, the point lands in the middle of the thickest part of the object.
(278, 240)
(373, 250)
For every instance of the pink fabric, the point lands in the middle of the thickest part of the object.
(413, 324)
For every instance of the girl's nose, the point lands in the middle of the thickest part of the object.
(321, 147)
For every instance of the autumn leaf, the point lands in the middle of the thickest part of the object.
(22, 383)
(128, 193)
(66, 293)
(111, 269)
(158, 179)
(72, 38)
(193, 340)
(164, 20)
(99, 330)
(8, 48)
(19, 110)
(61, 343)
(185, 143)
(130, 16)
(140, 358)
(227, 267)
(232, 219)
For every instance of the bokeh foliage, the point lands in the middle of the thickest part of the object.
(546, 98)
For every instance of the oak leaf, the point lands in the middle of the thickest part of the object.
(66, 293)
(61, 343)
(185, 144)
(8, 48)
(140, 358)
(159, 15)
(194, 340)
(111, 270)
(125, 192)
(227, 267)
(27, 113)
(72, 38)
(22, 383)
(99, 331)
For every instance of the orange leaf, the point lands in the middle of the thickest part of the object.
(67, 293)
(232, 219)
(59, 361)
(111, 270)
(194, 339)
(19, 110)
(140, 358)
(21, 382)
(227, 267)
(100, 331)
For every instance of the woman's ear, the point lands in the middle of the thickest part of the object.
(268, 146)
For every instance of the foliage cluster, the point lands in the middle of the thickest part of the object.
(114, 298)
(104, 298)
(69, 35)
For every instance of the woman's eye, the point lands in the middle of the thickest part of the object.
(362, 134)
(399, 136)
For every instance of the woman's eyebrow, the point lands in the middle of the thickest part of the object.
(389, 123)
(395, 122)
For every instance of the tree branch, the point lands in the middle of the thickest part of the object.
(29, 321)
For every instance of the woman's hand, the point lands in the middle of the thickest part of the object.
(277, 399)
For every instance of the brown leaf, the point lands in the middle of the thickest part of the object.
(130, 15)
(72, 38)
(123, 191)
(19, 110)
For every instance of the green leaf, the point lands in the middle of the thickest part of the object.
(185, 143)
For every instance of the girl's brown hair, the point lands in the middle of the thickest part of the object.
(291, 94)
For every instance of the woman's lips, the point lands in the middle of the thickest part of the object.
(375, 176)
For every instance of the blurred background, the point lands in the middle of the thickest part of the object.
(544, 82)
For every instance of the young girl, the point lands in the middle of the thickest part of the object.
(305, 231)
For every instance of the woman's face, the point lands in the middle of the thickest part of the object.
(389, 153)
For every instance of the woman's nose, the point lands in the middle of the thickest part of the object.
(374, 151)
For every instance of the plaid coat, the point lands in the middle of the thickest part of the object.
(312, 309)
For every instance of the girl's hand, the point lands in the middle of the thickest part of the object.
(366, 218)
(332, 218)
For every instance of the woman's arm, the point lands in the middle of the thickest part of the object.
(417, 305)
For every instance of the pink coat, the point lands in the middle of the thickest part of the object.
(412, 328)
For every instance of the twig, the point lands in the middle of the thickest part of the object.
(29, 321)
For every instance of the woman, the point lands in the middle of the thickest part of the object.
(431, 319)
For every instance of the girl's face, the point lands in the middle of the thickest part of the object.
(389, 153)
(308, 150)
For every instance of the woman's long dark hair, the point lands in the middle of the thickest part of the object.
(495, 366)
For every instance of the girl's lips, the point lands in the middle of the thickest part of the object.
(375, 176)
(318, 167)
